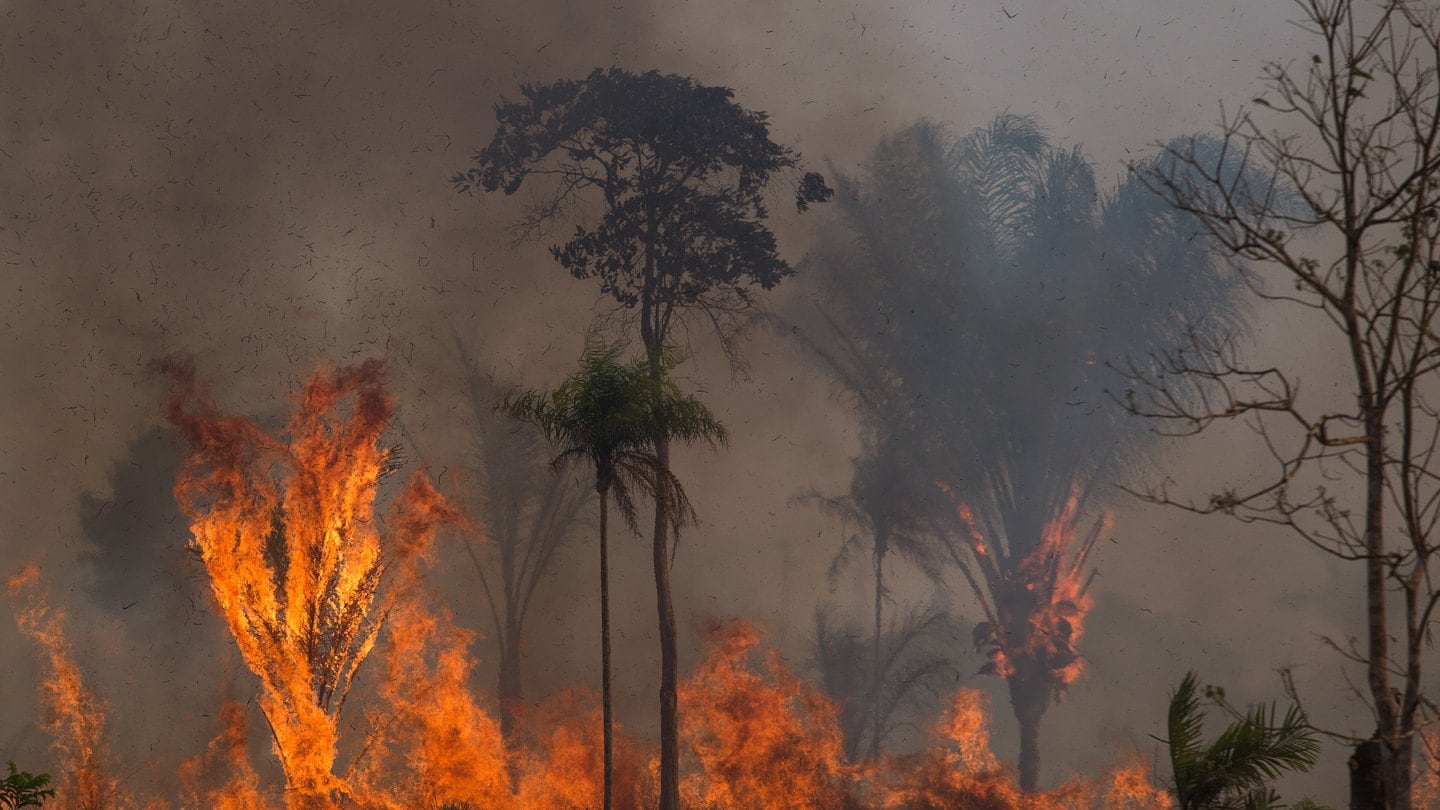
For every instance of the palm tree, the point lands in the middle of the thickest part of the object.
(889, 508)
(1234, 771)
(609, 414)
(968, 298)
(530, 515)
(882, 689)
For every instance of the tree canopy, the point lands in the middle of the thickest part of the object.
(682, 172)
(968, 297)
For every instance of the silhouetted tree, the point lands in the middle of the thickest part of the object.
(529, 514)
(680, 172)
(607, 415)
(967, 298)
(882, 505)
(882, 688)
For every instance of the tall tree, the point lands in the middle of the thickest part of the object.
(607, 415)
(679, 172)
(967, 297)
(529, 515)
(882, 506)
(1353, 475)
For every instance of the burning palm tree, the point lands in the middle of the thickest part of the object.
(300, 568)
(968, 298)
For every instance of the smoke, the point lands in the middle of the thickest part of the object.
(262, 185)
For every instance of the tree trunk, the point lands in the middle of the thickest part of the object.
(1029, 697)
(876, 663)
(1380, 777)
(669, 658)
(1380, 769)
(512, 690)
(609, 767)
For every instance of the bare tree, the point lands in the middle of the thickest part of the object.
(1344, 211)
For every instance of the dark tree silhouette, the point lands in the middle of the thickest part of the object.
(882, 505)
(529, 514)
(915, 656)
(967, 298)
(679, 172)
(22, 789)
(607, 415)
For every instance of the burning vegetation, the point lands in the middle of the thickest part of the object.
(987, 442)
(328, 607)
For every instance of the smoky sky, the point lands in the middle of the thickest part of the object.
(265, 185)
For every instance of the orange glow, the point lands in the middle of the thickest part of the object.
(433, 745)
(286, 528)
(312, 583)
(962, 771)
(73, 715)
(222, 777)
(560, 769)
(1131, 788)
(1426, 790)
(1041, 603)
(758, 742)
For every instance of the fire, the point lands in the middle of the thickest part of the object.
(224, 761)
(758, 742)
(285, 526)
(433, 745)
(560, 768)
(962, 771)
(1427, 770)
(1061, 590)
(1041, 604)
(312, 584)
(74, 715)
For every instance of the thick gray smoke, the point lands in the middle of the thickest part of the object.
(264, 186)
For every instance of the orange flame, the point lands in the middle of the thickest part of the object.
(311, 583)
(1426, 789)
(963, 772)
(451, 750)
(241, 789)
(561, 769)
(758, 742)
(74, 715)
(1041, 602)
(287, 532)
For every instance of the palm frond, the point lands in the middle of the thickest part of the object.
(1236, 768)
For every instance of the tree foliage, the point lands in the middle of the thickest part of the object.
(609, 415)
(22, 789)
(679, 172)
(682, 171)
(967, 297)
(530, 514)
(917, 666)
(1236, 768)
